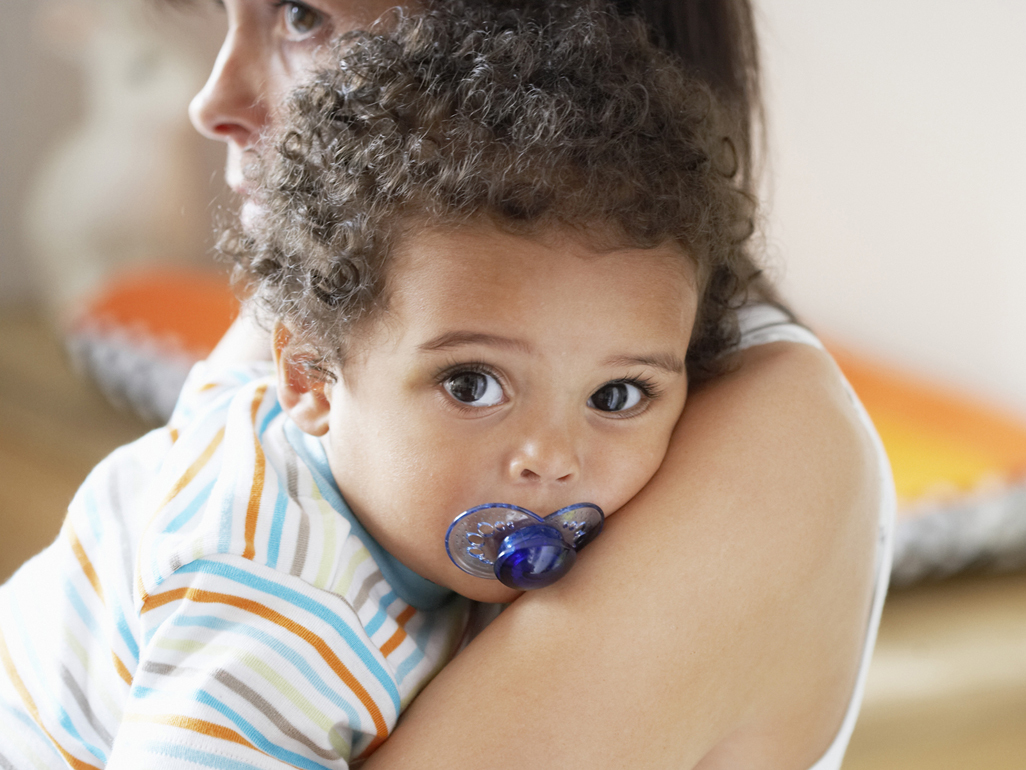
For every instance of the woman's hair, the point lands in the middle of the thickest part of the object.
(715, 40)
(564, 116)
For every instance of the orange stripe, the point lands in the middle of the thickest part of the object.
(374, 744)
(121, 669)
(211, 597)
(181, 484)
(400, 633)
(194, 469)
(174, 434)
(83, 560)
(257, 491)
(30, 704)
(201, 726)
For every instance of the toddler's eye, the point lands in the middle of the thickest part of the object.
(474, 388)
(616, 397)
(301, 19)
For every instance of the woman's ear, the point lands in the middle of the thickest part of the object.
(302, 388)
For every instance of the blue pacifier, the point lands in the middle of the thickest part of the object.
(499, 541)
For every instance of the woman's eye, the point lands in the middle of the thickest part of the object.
(474, 388)
(616, 397)
(301, 19)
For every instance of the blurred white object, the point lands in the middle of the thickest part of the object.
(129, 183)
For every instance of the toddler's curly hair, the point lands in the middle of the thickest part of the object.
(564, 116)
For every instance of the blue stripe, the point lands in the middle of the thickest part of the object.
(380, 615)
(249, 731)
(63, 717)
(356, 644)
(31, 652)
(277, 525)
(273, 412)
(204, 758)
(254, 735)
(220, 624)
(69, 727)
(417, 655)
(188, 511)
(31, 725)
(75, 600)
(124, 631)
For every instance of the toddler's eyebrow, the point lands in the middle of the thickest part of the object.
(458, 338)
(666, 361)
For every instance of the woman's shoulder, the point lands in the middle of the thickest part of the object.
(820, 496)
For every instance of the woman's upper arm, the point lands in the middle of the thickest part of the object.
(720, 616)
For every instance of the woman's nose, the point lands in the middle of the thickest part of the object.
(232, 105)
(546, 454)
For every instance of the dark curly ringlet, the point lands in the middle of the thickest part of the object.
(563, 116)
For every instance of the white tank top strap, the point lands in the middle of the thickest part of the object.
(761, 324)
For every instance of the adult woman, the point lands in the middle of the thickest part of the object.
(739, 580)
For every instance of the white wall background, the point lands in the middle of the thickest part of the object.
(898, 164)
(38, 97)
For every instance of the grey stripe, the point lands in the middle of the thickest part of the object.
(302, 543)
(368, 584)
(5, 764)
(252, 697)
(80, 699)
(164, 669)
(290, 470)
(287, 728)
(303, 536)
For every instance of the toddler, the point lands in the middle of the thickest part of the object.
(494, 249)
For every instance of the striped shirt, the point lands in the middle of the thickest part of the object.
(212, 601)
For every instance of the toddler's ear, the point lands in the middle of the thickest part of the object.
(301, 387)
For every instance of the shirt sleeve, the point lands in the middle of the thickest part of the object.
(244, 665)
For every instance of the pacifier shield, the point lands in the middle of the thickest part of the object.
(500, 541)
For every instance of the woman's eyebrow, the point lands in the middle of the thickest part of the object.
(456, 339)
(665, 361)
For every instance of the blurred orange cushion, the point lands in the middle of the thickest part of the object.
(138, 336)
(942, 444)
(188, 309)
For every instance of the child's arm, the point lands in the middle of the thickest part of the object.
(719, 620)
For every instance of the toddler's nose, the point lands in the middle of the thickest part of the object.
(545, 456)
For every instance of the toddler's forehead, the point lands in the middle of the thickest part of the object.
(464, 263)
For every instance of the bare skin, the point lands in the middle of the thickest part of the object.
(719, 620)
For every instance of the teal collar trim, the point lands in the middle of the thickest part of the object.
(411, 587)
